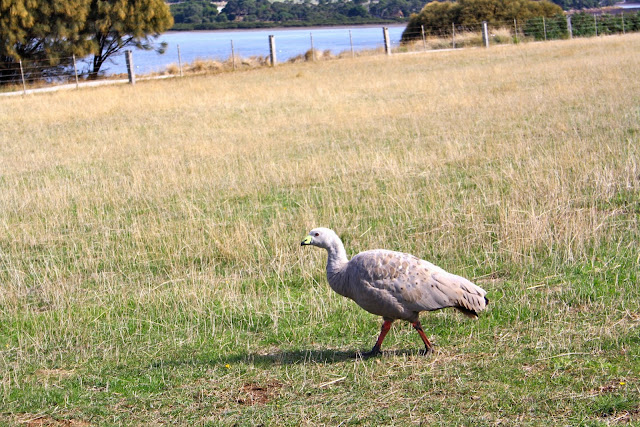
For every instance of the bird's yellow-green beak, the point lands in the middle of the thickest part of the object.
(306, 241)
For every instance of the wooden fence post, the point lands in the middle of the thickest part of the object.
(130, 71)
(75, 71)
(272, 50)
(351, 44)
(569, 28)
(424, 39)
(24, 84)
(233, 56)
(485, 34)
(313, 52)
(179, 61)
(387, 43)
(453, 35)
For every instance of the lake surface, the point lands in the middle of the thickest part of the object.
(289, 43)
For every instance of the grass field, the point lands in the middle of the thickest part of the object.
(151, 273)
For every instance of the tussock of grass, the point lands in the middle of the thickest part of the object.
(149, 243)
(313, 55)
(212, 66)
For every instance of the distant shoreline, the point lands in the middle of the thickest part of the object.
(338, 27)
(265, 26)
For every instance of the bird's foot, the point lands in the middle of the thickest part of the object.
(366, 355)
(427, 351)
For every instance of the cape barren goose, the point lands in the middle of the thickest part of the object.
(395, 285)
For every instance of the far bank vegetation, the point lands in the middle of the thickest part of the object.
(437, 18)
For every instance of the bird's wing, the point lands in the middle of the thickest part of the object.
(415, 284)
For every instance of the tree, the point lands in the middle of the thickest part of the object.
(49, 32)
(42, 31)
(436, 17)
(116, 24)
(357, 11)
(194, 12)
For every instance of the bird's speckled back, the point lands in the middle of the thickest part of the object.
(397, 285)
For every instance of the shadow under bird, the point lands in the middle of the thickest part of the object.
(395, 285)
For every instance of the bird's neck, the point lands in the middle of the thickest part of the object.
(336, 262)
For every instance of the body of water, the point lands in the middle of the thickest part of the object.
(289, 43)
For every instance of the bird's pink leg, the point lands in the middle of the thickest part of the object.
(383, 333)
(428, 348)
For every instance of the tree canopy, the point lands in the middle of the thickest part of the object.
(437, 17)
(194, 12)
(52, 31)
(39, 30)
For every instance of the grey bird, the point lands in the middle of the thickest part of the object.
(395, 285)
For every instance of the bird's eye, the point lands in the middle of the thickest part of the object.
(317, 234)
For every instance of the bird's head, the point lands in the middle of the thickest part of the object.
(320, 237)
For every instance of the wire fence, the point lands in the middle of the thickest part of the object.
(456, 35)
(25, 76)
(38, 73)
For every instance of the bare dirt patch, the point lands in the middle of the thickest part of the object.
(252, 393)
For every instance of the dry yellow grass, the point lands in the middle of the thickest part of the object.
(161, 223)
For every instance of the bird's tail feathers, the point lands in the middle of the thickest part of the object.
(469, 313)
(471, 306)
